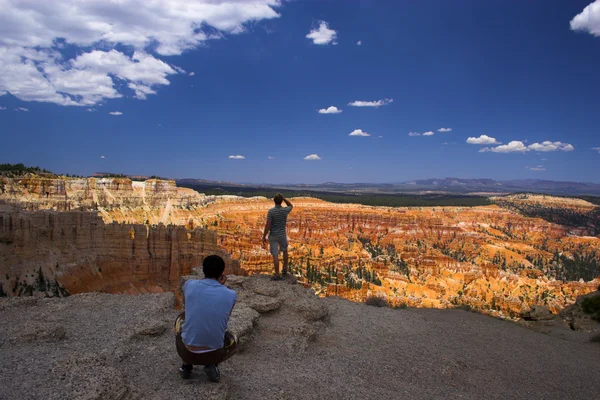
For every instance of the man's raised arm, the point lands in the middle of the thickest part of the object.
(288, 203)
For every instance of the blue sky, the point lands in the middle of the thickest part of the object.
(197, 83)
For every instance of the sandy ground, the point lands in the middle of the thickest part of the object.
(97, 346)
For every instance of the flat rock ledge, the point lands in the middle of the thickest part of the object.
(101, 346)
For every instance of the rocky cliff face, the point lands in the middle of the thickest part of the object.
(102, 194)
(54, 253)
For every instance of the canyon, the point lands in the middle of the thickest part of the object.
(121, 236)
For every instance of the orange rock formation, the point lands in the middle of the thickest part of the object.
(486, 257)
(50, 252)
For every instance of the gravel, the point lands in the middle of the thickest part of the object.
(99, 346)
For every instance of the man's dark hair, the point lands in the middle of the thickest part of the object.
(278, 199)
(213, 266)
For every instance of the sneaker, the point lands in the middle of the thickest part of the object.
(213, 373)
(185, 371)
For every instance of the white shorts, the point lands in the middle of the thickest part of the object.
(276, 243)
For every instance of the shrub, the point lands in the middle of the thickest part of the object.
(464, 307)
(591, 305)
(376, 301)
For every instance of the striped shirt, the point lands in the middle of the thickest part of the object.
(278, 217)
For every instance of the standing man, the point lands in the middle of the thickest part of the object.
(275, 228)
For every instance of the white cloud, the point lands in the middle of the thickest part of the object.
(359, 132)
(551, 146)
(413, 134)
(2, 108)
(445, 130)
(378, 103)
(322, 35)
(312, 157)
(192, 73)
(515, 146)
(330, 110)
(90, 110)
(588, 20)
(115, 113)
(596, 149)
(538, 168)
(22, 109)
(484, 150)
(102, 157)
(483, 139)
(33, 33)
(271, 158)
(238, 157)
(380, 137)
(359, 43)
(429, 133)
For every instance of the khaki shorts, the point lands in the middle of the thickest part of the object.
(276, 243)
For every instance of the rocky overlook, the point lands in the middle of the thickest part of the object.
(294, 346)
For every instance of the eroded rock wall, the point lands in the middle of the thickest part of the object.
(54, 253)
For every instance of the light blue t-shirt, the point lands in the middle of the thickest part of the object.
(207, 308)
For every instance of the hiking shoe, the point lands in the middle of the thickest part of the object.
(185, 371)
(213, 373)
(276, 278)
(284, 272)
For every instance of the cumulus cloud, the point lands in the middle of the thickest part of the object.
(551, 146)
(102, 157)
(429, 133)
(596, 149)
(483, 139)
(115, 113)
(238, 157)
(22, 109)
(322, 35)
(359, 43)
(359, 132)
(271, 158)
(516, 146)
(377, 103)
(445, 130)
(330, 110)
(192, 73)
(2, 108)
(33, 35)
(90, 110)
(538, 168)
(413, 134)
(588, 20)
(312, 157)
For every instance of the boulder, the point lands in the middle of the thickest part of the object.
(235, 281)
(538, 313)
(262, 304)
(242, 320)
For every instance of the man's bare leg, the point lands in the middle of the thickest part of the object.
(285, 262)
(276, 264)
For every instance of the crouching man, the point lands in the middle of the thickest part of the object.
(202, 338)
